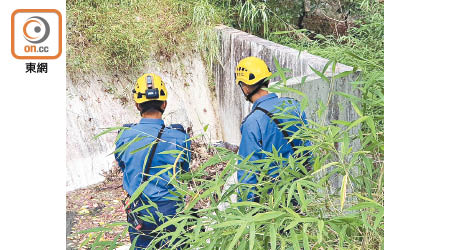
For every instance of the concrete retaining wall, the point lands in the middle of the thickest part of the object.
(232, 106)
(92, 104)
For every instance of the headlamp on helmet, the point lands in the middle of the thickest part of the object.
(151, 93)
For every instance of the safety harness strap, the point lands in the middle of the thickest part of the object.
(134, 218)
(145, 174)
(285, 134)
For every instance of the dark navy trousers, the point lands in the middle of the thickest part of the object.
(145, 235)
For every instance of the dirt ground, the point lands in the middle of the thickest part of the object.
(95, 206)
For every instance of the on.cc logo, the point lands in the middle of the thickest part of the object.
(36, 34)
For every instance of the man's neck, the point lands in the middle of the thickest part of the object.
(152, 115)
(258, 95)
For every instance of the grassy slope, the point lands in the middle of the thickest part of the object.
(119, 35)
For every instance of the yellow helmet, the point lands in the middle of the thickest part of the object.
(251, 70)
(149, 87)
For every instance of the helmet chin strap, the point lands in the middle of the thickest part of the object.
(249, 96)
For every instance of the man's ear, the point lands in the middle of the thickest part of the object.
(164, 105)
(138, 107)
(246, 89)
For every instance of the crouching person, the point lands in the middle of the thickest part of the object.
(142, 164)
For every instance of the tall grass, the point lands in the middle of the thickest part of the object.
(120, 35)
(204, 18)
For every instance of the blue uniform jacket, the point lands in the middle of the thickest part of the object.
(132, 164)
(259, 133)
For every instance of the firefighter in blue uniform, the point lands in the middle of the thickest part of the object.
(142, 164)
(259, 131)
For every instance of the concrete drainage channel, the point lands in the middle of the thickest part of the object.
(98, 101)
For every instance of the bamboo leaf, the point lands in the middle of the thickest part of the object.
(290, 193)
(343, 190)
(320, 226)
(363, 205)
(278, 67)
(248, 204)
(367, 199)
(357, 122)
(303, 79)
(195, 137)
(357, 110)
(292, 224)
(326, 66)
(290, 211)
(238, 235)
(305, 237)
(142, 148)
(96, 229)
(226, 224)
(325, 167)
(371, 125)
(348, 96)
(109, 130)
(273, 237)
(138, 192)
(333, 68)
(172, 221)
(283, 243)
(294, 239)
(342, 74)
(252, 236)
(378, 219)
(302, 196)
(368, 164)
(267, 216)
(126, 145)
(170, 152)
(320, 74)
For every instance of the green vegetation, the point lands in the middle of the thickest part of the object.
(320, 217)
(362, 47)
(119, 35)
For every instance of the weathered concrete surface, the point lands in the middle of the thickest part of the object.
(190, 101)
(318, 91)
(100, 101)
(233, 107)
(92, 104)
